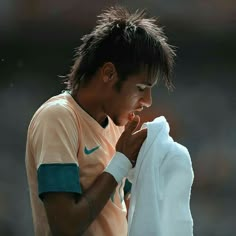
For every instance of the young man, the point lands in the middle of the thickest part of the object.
(78, 153)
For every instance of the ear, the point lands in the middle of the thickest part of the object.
(108, 72)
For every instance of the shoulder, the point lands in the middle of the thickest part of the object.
(54, 117)
(56, 108)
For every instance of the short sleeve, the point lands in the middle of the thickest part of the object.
(177, 176)
(54, 142)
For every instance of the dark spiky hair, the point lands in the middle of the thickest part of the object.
(132, 42)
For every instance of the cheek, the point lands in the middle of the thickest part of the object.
(127, 100)
(130, 103)
(133, 100)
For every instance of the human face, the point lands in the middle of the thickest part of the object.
(134, 94)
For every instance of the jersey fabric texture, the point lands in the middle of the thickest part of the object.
(65, 152)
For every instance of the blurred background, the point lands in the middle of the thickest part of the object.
(37, 41)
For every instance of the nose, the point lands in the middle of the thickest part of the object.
(146, 100)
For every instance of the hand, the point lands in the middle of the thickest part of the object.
(130, 141)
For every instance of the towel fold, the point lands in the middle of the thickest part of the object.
(161, 186)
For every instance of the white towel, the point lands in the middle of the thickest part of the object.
(161, 186)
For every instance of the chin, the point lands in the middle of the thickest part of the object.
(120, 121)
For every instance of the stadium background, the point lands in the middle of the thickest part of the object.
(37, 41)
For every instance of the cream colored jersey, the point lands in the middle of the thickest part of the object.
(66, 150)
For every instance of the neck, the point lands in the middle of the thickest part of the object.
(90, 102)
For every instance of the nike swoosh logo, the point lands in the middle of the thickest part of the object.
(89, 151)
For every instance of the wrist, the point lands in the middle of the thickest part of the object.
(119, 166)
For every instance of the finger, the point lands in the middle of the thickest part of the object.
(141, 134)
(132, 125)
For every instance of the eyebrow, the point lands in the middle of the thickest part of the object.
(149, 85)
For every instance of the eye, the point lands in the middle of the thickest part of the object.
(141, 88)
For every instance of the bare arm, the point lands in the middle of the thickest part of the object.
(71, 215)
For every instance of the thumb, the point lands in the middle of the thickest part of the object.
(132, 125)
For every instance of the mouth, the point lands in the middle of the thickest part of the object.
(131, 116)
(139, 109)
(133, 113)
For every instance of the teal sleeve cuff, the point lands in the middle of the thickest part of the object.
(58, 178)
(127, 187)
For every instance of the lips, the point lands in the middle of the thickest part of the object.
(139, 109)
(132, 114)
